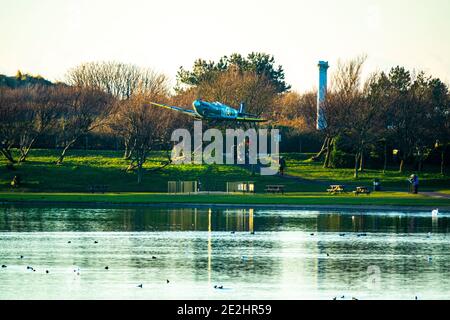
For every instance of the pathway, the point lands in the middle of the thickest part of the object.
(436, 195)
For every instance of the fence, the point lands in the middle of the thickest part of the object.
(241, 186)
(182, 187)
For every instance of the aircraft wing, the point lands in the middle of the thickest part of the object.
(250, 119)
(191, 113)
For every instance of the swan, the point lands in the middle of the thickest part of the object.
(435, 212)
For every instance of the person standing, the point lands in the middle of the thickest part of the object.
(415, 184)
(282, 165)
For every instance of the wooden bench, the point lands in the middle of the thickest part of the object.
(336, 188)
(98, 188)
(275, 188)
(361, 190)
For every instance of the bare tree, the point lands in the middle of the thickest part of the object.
(235, 86)
(122, 81)
(82, 110)
(38, 112)
(340, 103)
(9, 121)
(145, 125)
(365, 123)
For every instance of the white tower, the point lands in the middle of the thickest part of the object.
(321, 94)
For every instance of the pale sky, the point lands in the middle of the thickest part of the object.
(48, 37)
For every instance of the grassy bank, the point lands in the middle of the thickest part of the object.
(82, 169)
(430, 178)
(311, 198)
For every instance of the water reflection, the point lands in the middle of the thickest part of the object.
(291, 255)
(28, 219)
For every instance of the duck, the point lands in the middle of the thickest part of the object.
(69, 241)
(21, 257)
(140, 285)
(167, 281)
(106, 268)
(95, 241)
(4, 266)
(46, 271)
(153, 257)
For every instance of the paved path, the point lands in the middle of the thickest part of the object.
(436, 195)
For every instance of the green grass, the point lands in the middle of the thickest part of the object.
(312, 198)
(300, 166)
(81, 169)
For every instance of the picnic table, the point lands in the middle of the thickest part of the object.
(361, 190)
(98, 188)
(336, 188)
(275, 188)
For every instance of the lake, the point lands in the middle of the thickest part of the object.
(189, 253)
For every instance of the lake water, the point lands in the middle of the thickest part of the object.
(253, 254)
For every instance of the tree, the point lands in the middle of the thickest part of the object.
(235, 86)
(260, 63)
(296, 110)
(364, 122)
(404, 113)
(82, 110)
(145, 125)
(439, 117)
(342, 99)
(9, 121)
(121, 81)
(38, 112)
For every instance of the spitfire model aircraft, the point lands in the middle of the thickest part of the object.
(214, 111)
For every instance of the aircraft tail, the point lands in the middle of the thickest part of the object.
(242, 108)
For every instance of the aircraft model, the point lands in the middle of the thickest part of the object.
(214, 111)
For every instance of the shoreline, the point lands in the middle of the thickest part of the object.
(326, 207)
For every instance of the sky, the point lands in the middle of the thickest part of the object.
(48, 37)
